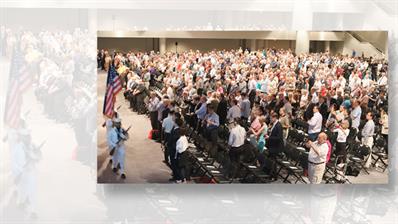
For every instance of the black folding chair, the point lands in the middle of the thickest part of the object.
(359, 157)
(379, 154)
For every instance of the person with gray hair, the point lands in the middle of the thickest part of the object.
(317, 158)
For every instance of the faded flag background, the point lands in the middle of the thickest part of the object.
(48, 134)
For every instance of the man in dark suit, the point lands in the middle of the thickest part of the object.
(275, 141)
(275, 138)
(222, 109)
(323, 109)
(171, 145)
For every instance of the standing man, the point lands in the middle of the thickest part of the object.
(323, 108)
(172, 147)
(116, 142)
(367, 136)
(317, 158)
(245, 108)
(139, 95)
(108, 124)
(152, 108)
(237, 135)
(234, 110)
(285, 122)
(315, 124)
(356, 114)
(275, 141)
(167, 127)
(201, 113)
(252, 85)
(212, 122)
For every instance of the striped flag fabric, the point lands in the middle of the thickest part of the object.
(19, 81)
(113, 87)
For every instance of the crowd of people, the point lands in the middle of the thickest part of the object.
(255, 96)
(60, 73)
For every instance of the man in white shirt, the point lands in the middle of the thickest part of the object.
(234, 111)
(317, 158)
(237, 135)
(315, 124)
(152, 108)
(367, 136)
(356, 114)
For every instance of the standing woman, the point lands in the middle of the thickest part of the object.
(342, 133)
(260, 134)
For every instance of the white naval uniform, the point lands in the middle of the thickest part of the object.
(25, 173)
(119, 154)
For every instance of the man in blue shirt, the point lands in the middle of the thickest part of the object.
(245, 107)
(211, 123)
(201, 112)
(167, 127)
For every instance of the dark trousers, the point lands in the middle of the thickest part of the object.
(341, 151)
(252, 96)
(132, 101)
(199, 127)
(386, 140)
(174, 164)
(212, 136)
(153, 115)
(273, 156)
(140, 103)
(166, 149)
(183, 168)
(234, 156)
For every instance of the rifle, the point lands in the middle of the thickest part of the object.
(31, 158)
(114, 148)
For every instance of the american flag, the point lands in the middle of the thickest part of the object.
(113, 86)
(19, 81)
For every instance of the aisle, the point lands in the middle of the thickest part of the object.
(143, 156)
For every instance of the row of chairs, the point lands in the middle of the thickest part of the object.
(209, 161)
(300, 124)
(294, 161)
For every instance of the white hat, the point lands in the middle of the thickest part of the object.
(117, 120)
